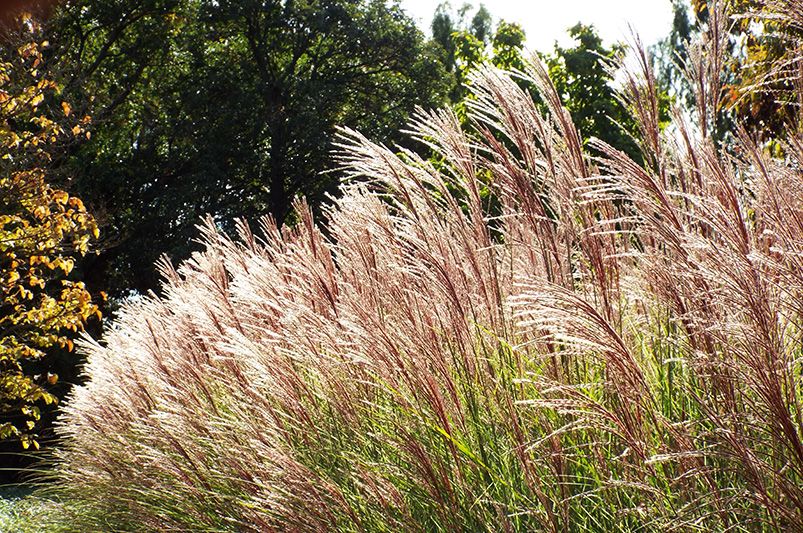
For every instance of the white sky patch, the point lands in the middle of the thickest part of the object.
(546, 21)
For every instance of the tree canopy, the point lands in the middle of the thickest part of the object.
(583, 79)
(226, 108)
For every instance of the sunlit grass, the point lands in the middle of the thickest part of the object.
(614, 349)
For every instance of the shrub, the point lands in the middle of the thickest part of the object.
(617, 349)
(42, 231)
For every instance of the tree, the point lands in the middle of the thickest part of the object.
(672, 51)
(582, 75)
(442, 28)
(756, 79)
(226, 108)
(761, 93)
(482, 24)
(42, 231)
(508, 46)
(583, 80)
(467, 45)
(462, 42)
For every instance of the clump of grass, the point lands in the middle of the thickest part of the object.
(23, 512)
(616, 348)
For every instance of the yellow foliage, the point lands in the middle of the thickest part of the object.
(42, 229)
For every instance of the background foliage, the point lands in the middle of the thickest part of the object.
(225, 108)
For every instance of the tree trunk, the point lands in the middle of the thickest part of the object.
(278, 196)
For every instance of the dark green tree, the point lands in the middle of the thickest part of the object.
(460, 40)
(442, 28)
(465, 44)
(482, 24)
(672, 51)
(226, 108)
(584, 81)
(508, 46)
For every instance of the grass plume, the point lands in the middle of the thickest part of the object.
(607, 347)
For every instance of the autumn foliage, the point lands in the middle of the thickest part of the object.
(42, 229)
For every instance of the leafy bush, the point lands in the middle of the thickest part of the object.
(617, 349)
(42, 230)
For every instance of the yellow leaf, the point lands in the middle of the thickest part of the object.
(60, 197)
(66, 108)
(77, 204)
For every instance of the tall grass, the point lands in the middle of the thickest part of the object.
(525, 338)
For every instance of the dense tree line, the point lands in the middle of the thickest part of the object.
(225, 108)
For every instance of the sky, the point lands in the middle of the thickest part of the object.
(546, 21)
